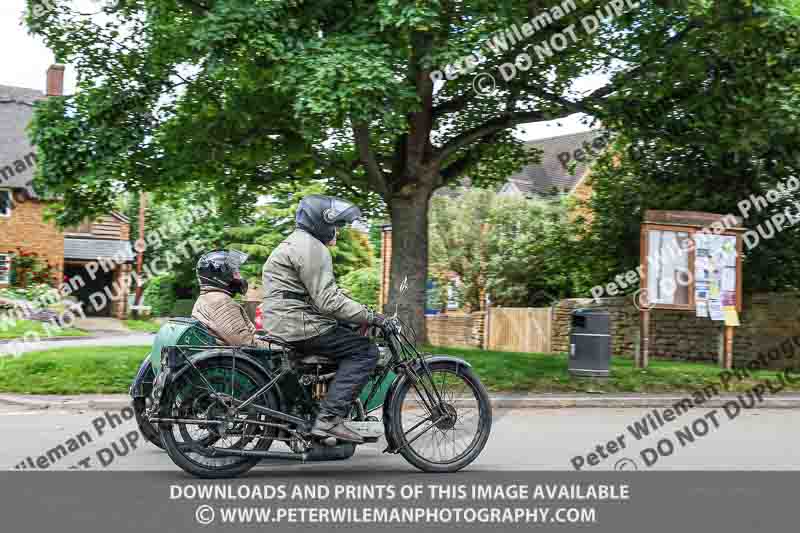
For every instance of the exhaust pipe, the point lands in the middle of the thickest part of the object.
(264, 454)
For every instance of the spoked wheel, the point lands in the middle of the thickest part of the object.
(198, 445)
(446, 435)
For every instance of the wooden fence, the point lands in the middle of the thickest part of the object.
(526, 329)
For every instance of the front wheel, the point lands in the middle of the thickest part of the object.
(442, 421)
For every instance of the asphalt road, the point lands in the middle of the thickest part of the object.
(524, 439)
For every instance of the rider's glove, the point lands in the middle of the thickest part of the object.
(378, 320)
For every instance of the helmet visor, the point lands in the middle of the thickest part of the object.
(342, 213)
(236, 259)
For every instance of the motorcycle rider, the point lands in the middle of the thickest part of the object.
(303, 306)
(220, 280)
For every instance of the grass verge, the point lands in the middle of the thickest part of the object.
(532, 372)
(77, 370)
(87, 370)
(29, 328)
(145, 326)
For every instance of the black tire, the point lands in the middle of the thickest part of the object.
(139, 405)
(397, 427)
(224, 467)
(149, 431)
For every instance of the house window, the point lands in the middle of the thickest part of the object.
(5, 203)
(5, 269)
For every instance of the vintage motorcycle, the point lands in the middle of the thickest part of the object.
(217, 410)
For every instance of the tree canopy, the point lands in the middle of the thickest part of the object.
(244, 94)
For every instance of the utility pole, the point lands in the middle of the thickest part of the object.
(140, 247)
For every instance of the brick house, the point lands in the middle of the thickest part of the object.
(548, 178)
(94, 258)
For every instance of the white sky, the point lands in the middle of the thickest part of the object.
(24, 60)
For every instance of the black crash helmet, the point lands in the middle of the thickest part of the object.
(321, 215)
(220, 270)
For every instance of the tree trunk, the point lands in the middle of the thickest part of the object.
(409, 258)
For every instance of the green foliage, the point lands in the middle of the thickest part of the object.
(262, 230)
(31, 330)
(363, 285)
(34, 292)
(159, 294)
(513, 247)
(145, 326)
(457, 241)
(179, 227)
(537, 372)
(83, 370)
(239, 95)
(531, 260)
(27, 269)
(182, 308)
(723, 128)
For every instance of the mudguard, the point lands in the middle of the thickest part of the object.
(390, 394)
(168, 376)
(136, 388)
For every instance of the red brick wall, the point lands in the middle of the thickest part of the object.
(27, 229)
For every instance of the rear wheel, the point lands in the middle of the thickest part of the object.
(446, 435)
(199, 447)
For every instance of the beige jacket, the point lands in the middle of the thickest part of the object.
(301, 264)
(226, 319)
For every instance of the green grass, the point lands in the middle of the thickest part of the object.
(146, 326)
(26, 328)
(87, 370)
(84, 370)
(532, 372)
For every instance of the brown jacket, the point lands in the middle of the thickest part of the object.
(302, 265)
(226, 319)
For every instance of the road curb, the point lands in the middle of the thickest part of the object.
(789, 401)
(543, 401)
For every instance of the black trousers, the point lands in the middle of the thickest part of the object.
(356, 356)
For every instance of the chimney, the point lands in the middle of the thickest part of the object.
(55, 80)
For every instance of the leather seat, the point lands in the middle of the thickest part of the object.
(317, 360)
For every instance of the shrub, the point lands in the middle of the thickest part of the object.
(182, 308)
(363, 285)
(28, 268)
(159, 294)
(38, 293)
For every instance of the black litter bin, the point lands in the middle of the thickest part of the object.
(590, 343)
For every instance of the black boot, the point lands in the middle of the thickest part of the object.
(327, 425)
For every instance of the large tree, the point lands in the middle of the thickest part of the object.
(246, 93)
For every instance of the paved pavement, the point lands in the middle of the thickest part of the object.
(119, 339)
(522, 439)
